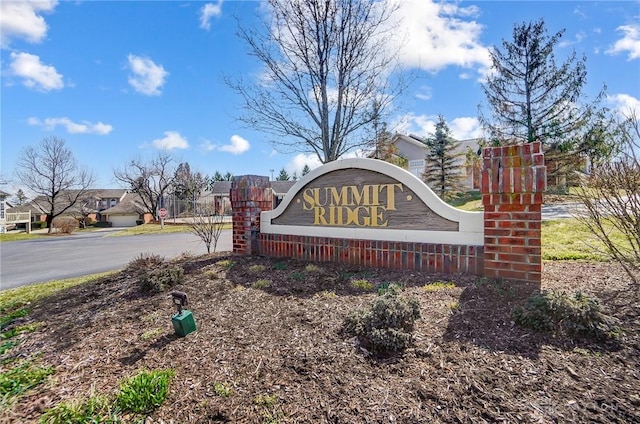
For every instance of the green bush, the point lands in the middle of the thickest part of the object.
(145, 262)
(388, 325)
(159, 280)
(576, 315)
(145, 392)
(36, 225)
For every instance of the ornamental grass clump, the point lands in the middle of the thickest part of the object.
(388, 325)
(161, 279)
(576, 315)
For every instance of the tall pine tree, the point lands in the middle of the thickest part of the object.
(442, 170)
(531, 98)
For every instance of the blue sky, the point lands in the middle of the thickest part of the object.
(119, 80)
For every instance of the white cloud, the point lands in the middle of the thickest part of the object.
(208, 11)
(300, 160)
(172, 140)
(36, 75)
(21, 19)
(84, 127)
(436, 36)
(630, 42)
(238, 145)
(464, 128)
(207, 146)
(624, 103)
(461, 128)
(147, 77)
(424, 93)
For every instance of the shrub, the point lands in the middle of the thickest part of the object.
(144, 392)
(388, 325)
(576, 315)
(145, 262)
(222, 389)
(159, 280)
(65, 224)
(35, 225)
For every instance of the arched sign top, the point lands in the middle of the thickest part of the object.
(370, 199)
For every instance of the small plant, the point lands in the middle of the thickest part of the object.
(145, 392)
(439, 285)
(151, 334)
(324, 294)
(297, 276)
(362, 284)
(454, 306)
(312, 268)
(257, 268)
(268, 401)
(388, 325)
(7, 346)
(280, 266)
(577, 315)
(96, 409)
(24, 376)
(159, 280)
(222, 389)
(225, 263)
(261, 284)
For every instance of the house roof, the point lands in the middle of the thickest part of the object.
(281, 187)
(27, 207)
(220, 188)
(4, 194)
(129, 205)
(109, 193)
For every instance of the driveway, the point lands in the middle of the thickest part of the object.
(58, 257)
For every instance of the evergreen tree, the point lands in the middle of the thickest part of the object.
(21, 198)
(531, 98)
(305, 170)
(442, 167)
(283, 176)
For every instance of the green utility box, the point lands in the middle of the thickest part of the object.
(183, 323)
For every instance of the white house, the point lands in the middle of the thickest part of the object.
(414, 150)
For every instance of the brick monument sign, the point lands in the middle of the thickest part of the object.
(368, 212)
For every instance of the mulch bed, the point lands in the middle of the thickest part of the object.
(469, 364)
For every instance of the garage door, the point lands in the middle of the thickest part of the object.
(123, 220)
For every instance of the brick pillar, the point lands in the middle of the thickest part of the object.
(250, 195)
(513, 180)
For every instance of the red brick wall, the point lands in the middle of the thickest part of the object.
(250, 195)
(513, 180)
(441, 258)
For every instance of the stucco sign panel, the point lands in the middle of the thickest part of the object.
(360, 198)
(369, 199)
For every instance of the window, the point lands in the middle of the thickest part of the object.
(112, 202)
(2, 209)
(416, 167)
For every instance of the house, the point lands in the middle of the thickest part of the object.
(129, 211)
(3, 211)
(280, 189)
(10, 216)
(218, 196)
(413, 149)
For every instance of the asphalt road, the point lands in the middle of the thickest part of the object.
(52, 258)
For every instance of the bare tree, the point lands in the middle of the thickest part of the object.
(84, 207)
(326, 77)
(208, 227)
(51, 172)
(611, 196)
(151, 180)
